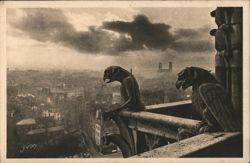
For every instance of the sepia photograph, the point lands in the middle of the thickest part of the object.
(125, 81)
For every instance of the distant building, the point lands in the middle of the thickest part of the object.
(166, 99)
(160, 66)
(103, 98)
(25, 125)
(61, 92)
(116, 98)
(44, 135)
(48, 121)
(11, 114)
(152, 97)
(57, 115)
(12, 91)
(64, 93)
(26, 122)
(45, 91)
(161, 69)
(34, 108)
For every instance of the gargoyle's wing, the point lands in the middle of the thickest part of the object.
(219, 104)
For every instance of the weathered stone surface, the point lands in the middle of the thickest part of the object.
(188, 146)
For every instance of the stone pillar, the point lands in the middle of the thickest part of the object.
(229, 57)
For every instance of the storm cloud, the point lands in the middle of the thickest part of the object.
(143, 32)
(51, 25)
(158, 35)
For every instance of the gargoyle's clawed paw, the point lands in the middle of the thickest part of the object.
(108, 115)
(204, 129)
(184, 133)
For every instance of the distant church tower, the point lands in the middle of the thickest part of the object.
(170, 66)
(160, 66)
(161, 69)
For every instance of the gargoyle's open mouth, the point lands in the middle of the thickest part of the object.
(178, 84)
(184, 86)
(107, 80)
(181, 84)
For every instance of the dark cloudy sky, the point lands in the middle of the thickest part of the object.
(87, 38)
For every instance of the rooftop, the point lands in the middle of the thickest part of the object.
(42, 130)
(28, 121)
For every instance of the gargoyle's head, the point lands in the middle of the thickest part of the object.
(111, 74)
(186, 78)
